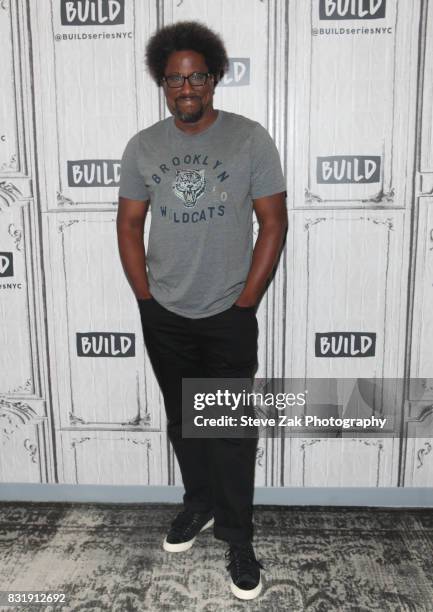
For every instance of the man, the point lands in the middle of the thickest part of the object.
(202, 171)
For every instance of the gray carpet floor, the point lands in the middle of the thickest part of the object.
(316, 559)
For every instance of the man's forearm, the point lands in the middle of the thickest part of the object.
(265, 255)
(133, 257)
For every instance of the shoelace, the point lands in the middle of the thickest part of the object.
(184, 522)
(242, 558)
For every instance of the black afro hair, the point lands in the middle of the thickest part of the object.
(181, 36)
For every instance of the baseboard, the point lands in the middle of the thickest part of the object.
(286, 496)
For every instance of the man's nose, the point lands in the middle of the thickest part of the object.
(186, 87)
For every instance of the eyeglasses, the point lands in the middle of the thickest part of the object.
(196, 79)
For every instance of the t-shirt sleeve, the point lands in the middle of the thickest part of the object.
(266, 173)
(131, 183)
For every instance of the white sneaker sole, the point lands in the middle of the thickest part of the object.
(182, 546)
(247, 593)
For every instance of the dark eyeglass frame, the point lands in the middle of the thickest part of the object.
(205, 74)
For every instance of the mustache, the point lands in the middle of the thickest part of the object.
(187, 98)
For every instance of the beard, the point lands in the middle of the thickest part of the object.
(189, 117)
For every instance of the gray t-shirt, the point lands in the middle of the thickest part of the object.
(200, 189)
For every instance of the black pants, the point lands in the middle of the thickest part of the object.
(218, 474)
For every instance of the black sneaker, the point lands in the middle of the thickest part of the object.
(244, 570)
(184, 530)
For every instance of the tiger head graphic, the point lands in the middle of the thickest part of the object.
(189, 185)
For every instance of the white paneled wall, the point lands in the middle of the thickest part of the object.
(348, 98)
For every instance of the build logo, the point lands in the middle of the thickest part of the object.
(348, 169)
(93, 173)
(352, 9)
(92, 12)
(105, 344)
(6, 264)
(238, 73)
(345, 344)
